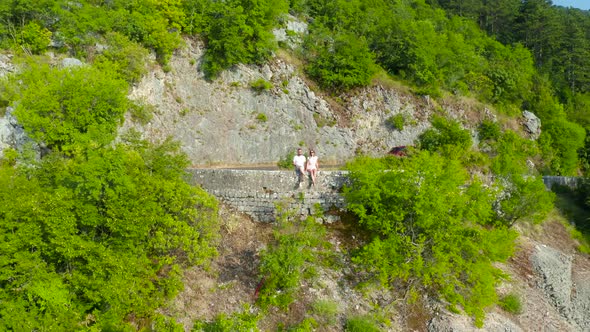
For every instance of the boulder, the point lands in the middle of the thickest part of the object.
(532, 124)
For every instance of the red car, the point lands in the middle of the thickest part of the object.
(399, 151)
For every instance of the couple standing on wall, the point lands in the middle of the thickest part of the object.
(303, 165)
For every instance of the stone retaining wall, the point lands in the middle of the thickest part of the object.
(257, 192)
(567, 181)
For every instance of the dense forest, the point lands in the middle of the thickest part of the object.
(95, 232)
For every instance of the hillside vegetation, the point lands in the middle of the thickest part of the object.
(97, 229)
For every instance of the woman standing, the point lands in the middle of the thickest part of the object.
(312, 166)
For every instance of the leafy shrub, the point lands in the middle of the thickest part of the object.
(396, 121)
(126, 57)
(445, 133)
(284, 263)
(260, 85)
(524, 197)
(34, 38)
(108, 227)
(69, 108)
(261, 117)
(325, 311)
(361, 324)
(511, 153)
(432, 225)
(287, 161)
(523, 194)
(237, 32)
(244, 321)
(164, 323)
(564, 138)
(342, 62)
(9, 156)
(511, 303)
(489, 130)
(141, 112)
(109, 235)
(309, 324)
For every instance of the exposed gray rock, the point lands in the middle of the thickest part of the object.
(295, 25)
(555, 270)
(532, 124)
(12, 134)
(567, 290)
(71, 62)
(292, 35)
(581, 299)
(448, 322)
(568, 181)
(6, 65)
(226, 122)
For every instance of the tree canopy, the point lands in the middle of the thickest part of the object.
(433, 229)
(95, 234)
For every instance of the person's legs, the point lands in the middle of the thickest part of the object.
(312, 172)
(298, 176)
(301, 173)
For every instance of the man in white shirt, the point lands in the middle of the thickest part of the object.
(299, 163)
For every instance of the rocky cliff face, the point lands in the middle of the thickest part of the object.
(225, 121)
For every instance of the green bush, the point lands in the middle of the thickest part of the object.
(142, 113)
(239, 321)
(285, 262)
(564, 138)
(524, 198)
(287, 161)
(237, 31)
(431, 224)
(108, 237)
(126, 57)
(445, 133)
(9, 157)
(261, 117)
(361, 324)
(489, 130)
(524, 195)
(34, 38)
(511, 303)
(340, 62)
(309, 324)
(98, 231)
(69, 109)
(260, 85)
(396, 121)
(325, 311)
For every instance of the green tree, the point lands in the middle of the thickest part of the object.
(445, 134)
(497, 19)
(128, 58)
(523, 195)
(432, 229)
(343, 62)
(95, 238)
(237, 31)
(34, 38)
(575, 54)
(538, 29)
(71, 107)
(565, 138)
